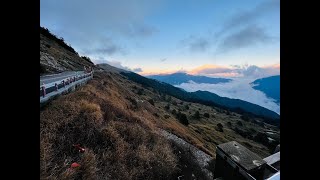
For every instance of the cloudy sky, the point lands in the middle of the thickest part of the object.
(208, 37)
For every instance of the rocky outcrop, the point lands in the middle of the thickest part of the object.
(56, 58)
(49, 61)
(201, 158)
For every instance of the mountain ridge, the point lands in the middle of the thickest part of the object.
(56, 56)
(179, 78)
(213, 98)
(117, 121)
(269, 86)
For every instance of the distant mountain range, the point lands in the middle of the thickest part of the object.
(270, 86)
(207, 98)
(112, 114)
(179, 78)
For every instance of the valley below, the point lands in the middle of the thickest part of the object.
(120, 125)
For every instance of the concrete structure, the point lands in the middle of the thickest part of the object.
(236, 162)
(61, 83)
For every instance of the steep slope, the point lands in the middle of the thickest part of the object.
(57, 56)
(109, 68)
(239, 106)
(118, 122)
(270, 86)
(179, 78)
(207, 98)
(119, 144)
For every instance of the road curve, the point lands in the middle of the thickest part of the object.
(56, 77)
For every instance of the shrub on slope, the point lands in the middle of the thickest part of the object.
(118, 144)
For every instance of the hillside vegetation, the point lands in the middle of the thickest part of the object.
(117, 118)
(208, 98)
(198, 123)
(56, 56)
(116, 121)
(119, 143)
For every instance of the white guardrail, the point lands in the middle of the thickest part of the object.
(64, 84)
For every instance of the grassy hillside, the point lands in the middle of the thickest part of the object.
(57, 56)
(116, 121)
(119, 143)
(240, 106)
(207, 98)
(202, 131)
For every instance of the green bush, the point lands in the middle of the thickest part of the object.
(174, 103)
(245, 117)
(151, 102)
(262, 138)
(167, 107)
(196, 115)
(140, 92)
(182, 119)
(219, 127)
(252, 130)
(243, 133)
(87, 59)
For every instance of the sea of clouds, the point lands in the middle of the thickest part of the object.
(238, 88)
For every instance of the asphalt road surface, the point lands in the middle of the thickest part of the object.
(56, 77)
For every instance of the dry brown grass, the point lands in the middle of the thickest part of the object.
(118, 128)
(201, 132)
(119, 144)
(63, 57)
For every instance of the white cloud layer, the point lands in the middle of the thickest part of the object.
(239, 88)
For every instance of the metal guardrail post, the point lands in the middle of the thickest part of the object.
(54, 86)
(43, 90)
